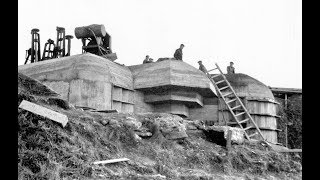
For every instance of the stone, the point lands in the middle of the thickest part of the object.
(190, 125)
(171, 128)
(104, 122)
(144, 134)
(114, 123)
(137, 137)
(42, 111)
(132, 122)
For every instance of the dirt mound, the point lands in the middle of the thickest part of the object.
(48, 151)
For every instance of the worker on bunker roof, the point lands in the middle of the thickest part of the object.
(178, 53)
(201, 67)
(230, 69)
(147, 60)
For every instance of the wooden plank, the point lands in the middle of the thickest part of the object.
(105, 111)
(42, 111)
(111, 161)
(84, 108)
(290, 150)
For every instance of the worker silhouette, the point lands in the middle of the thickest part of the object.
(28, 54)
(230, 69)
(178, 53)
(147, 60)
(202, 68)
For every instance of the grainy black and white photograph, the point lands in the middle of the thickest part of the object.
(159, 90)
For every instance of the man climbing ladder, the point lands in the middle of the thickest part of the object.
(234, 105)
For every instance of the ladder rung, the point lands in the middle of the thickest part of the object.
(253, 134)
(240, 114)
(232, 123)
(248, 128)
(224, 88)
(235, 107)
(215, 75)
(227, 94)
(212, 69)
(245, 120)
(220, 82)
(232, 100)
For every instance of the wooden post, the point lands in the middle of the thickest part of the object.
(285, 101)
(286, 132)
(229, 135)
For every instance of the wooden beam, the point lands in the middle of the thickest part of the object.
(42, 111)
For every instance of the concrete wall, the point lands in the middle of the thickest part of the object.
(173, 108)
(209, 111)
(139, 105)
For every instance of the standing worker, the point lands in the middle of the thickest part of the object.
(178, 54)
(230, 69)
(202, 68)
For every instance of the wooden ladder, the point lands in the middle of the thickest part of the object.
(240, 105)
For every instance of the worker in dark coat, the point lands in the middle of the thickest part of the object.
(201, 67)
(230, 69)
(178, 54)
(146, 59)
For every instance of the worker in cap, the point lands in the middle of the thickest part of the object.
(230, 69)
(202, 68)
(147, 60)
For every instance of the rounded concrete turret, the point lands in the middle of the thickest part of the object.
(249, 87)
(259, 101)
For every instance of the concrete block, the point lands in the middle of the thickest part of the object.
(42, 111)
(237, 133)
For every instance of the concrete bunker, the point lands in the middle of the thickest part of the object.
(166, 86)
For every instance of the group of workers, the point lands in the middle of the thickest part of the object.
(178, 56)
(230, 68)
